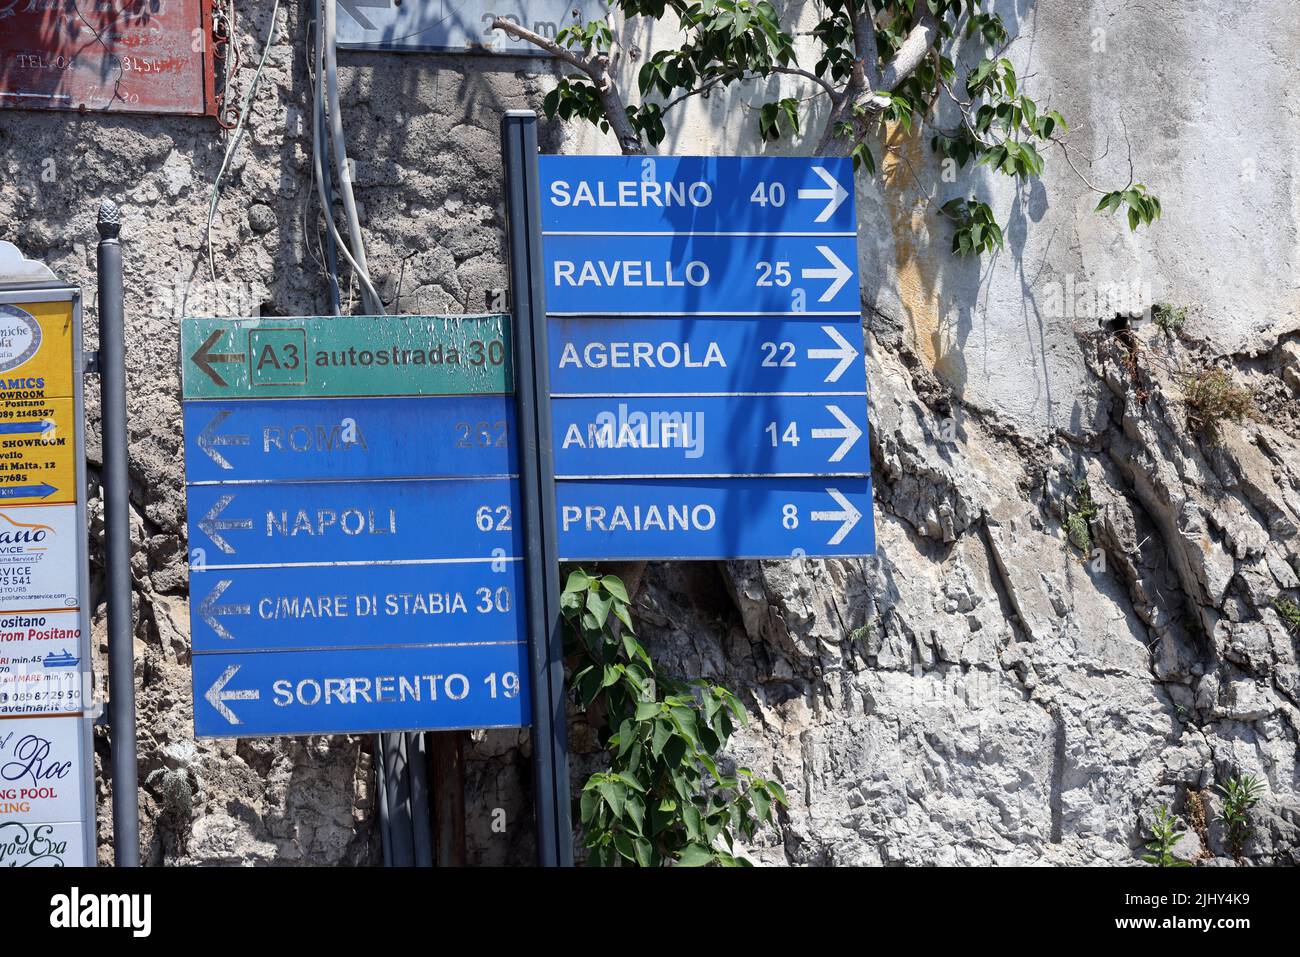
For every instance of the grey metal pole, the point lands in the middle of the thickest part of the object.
(537, 481)
(417, 768)
(401, 844)
(117, 545)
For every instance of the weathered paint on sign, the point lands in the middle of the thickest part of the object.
(270, 439)
(354, 536)
(456, 26)
(121, 56)
(317, 357)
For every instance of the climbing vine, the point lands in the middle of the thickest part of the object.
(667, 797)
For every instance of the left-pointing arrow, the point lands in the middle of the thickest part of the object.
(212, 613)
(847, 515)
(850, 433)
(204, 357)
(217, 695)
(838, 273)
(213, 525)
(351, 6)
(208, 439)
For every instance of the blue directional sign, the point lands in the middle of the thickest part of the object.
(706, 357)
(702, 274)
(715, 518)
(630, 195)
(355, 552)
(273, 439)
(352, 606)
(439, 685)
(710, 435)
(695, 355)
(326, 523)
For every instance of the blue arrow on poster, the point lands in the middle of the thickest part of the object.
(703, 356)
(665, 519)
(453, 684)
(679, 435)
(275, 439)
(332, 523)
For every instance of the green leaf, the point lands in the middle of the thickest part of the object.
(644, 852)
(695, 855)
(599, 608)
(663, 733)
(635, 812)
(613, 793)
(623, 841)
(578, 581)
(646, 710)
(614, 585)
(588, 804)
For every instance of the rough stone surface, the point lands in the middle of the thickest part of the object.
(988, 688)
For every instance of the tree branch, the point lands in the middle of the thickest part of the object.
(913, 50)
(597, 69)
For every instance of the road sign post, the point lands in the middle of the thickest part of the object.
(550, 733)
(117, 541)
(47, 809)
(352, 499)
(705, 354)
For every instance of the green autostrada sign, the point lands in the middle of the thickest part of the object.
(345, 356)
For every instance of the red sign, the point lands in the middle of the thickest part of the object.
(122, 56)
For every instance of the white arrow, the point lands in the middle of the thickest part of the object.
(213, 526)
(210, 611)
(835, 194)
(838, 272)
(217, 696)
(844, 351)
(351, 7)
(847, 514)
(850, 433)
(209, 440)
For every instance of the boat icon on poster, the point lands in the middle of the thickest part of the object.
(60, 659)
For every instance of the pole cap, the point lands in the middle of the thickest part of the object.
(110, 219)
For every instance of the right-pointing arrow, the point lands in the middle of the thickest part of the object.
(217, 696)
(834, 194)
(212, 526)
(844, 351)
(838, 273)
(847, 514)
(211, 612)
(209, 440)
(850, 433)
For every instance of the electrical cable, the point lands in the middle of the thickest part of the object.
(373, 304)
(321, 184)
(234, 140)
(363, 275)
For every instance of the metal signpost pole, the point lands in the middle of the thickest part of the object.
(117, 549)
(537, 479)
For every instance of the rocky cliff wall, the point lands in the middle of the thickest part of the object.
(985, 689)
